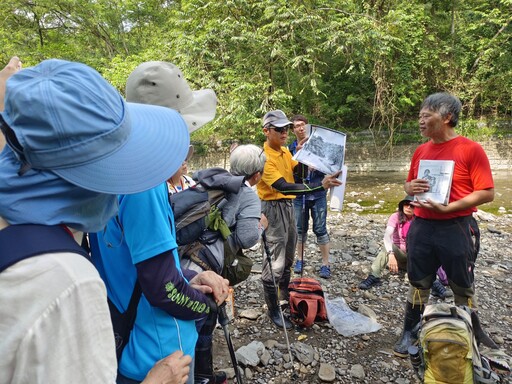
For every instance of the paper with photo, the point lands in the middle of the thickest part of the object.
(439, 174)
(324, 150)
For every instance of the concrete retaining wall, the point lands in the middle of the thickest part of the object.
(363, 157)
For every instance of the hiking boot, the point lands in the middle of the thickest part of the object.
(401, 347)
(409, 333)
(299, 265)
(325, 272)
(203, 366)
(275, 315)
(438, 290)
(369, 282)
(274, 311)
(219, 377)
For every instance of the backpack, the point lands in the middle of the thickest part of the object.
(19, 242)
(200, 225)
(447, 348)
(307, 302)
(237, 266)
(122, 322)
(198, 209)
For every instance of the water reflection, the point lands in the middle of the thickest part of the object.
(386, 189)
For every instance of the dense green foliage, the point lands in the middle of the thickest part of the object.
(356, 65)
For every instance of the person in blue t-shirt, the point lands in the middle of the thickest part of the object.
(314, 205)
(140, 244)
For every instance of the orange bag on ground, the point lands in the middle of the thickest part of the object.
(307, 302)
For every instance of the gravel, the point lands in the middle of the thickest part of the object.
(320, 353)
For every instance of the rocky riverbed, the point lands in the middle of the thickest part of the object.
(321, 354)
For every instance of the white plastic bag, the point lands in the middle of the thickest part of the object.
(346, 321)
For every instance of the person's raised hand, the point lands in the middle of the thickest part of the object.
(331, 180)
(301, 143)
(174, 369)
(210, 282)
(10, 69)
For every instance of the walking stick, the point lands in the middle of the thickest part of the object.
(303, 223)
(303, 234)
(269, 259)
(223, 321)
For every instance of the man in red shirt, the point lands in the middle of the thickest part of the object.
(441, 235)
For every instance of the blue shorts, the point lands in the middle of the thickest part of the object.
(318, 210)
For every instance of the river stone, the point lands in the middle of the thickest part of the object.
(304, 352)
(357, 371)
(326, 373)
(251, 313)
(249, 354)
(367, 311)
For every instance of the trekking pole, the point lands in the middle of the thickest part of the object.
(303, 224)
(269, 259)
(303, 234)
(223, 321)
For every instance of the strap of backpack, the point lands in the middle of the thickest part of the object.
(19, 242)
(131, 311)
(308, 316)
(312, 311)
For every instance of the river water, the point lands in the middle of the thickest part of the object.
(385, 189)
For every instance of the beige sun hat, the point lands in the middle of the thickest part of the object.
(162, 83)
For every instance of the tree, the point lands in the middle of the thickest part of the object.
(356, 66)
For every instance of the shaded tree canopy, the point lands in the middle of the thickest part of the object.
(356, 65)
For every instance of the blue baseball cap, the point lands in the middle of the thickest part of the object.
(64, 117)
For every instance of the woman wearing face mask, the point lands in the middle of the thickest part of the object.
(393, 255)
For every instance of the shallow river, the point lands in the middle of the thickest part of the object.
(386, 189)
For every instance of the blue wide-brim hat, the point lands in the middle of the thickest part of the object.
(63, 117)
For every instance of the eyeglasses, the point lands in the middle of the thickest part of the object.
(299, 124)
